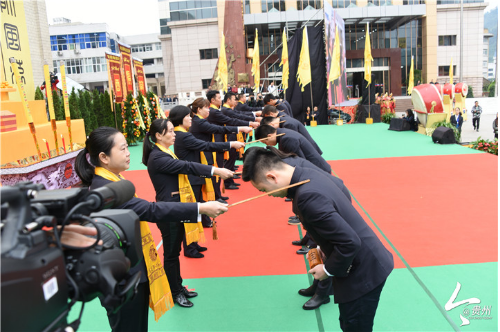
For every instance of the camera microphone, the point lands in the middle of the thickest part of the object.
(111, 195)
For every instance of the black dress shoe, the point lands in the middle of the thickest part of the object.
(220, 200)
(181, 300)
(299, 243)
(232, 186)
(237, 184)
(224, 198)
(194, 255)
(315, 302)
(200, 248)
(303, 251)
(294, 221)
(309, 291)
(236, 176)
(188, 294)
(288, 199)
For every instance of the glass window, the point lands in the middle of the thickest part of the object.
(205, 83)
(206, 13)
(182, 4)
(191, 14)
(191, 4)
(175, 16)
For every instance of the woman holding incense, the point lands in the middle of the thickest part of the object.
(189, 148)
(169, 177)
(104, 157)
(205, 131)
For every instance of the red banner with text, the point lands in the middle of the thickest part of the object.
(115, 75)
(139, 72)
(125, 51)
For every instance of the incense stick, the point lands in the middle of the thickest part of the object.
(262, 139)
(269, 193)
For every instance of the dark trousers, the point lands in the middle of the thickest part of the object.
(229, 164)
(172, 234)
(323, 287)
(133, 316)
(475, 123)
(358, 315)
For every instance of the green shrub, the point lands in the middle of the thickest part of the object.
(386, 118)
(486, 145)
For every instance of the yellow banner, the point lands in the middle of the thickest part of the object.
(368, 57)
(335, 59)
(15, 43)
(304, 70)
(256, 62)
(284, 63)
(222, 65)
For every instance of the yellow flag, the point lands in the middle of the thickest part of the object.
(410, 83)
(222, 71)
(256, 61)
(451, 71)
(284, 63)
(304, 70)
(335, 63)
(368, 57)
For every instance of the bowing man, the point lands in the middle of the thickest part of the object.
(353, 255)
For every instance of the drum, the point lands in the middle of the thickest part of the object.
(461, 88)
(422, 97)
(449, 90)
(440, 88)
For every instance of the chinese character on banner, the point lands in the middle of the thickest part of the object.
(12, 37)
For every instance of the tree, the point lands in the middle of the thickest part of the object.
(91, 113)
(107, 112)
(39, 94)
(82, 106)
(491, 89)
(74, 111)
(119, 116)
(131, 124)
(470, 93)
(58, 106)
(97, 107)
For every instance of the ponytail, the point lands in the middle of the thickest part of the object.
(100, 140)
(157, 126)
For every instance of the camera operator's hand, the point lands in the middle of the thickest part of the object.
(237, 144)
(223, 172)
(245, 130)
(78, 236)
(213, 208)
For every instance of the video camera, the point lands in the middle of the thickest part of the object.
(38, 277)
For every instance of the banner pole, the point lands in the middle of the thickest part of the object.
(67, 113)
(50, 102)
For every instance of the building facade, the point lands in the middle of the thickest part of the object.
(81, 47)
(399, 29)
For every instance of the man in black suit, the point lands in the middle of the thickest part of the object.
(243, 107)
(290, 123)
(457, 120)
(292, 141)
(271, 100)
(353, 255)
(218, 118)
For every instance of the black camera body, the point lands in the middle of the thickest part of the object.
(38, 277)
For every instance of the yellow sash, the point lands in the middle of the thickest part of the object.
(208, 188)
(160, 298)
(226, 153)
(194, 231)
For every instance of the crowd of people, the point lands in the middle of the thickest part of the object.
(191, 182)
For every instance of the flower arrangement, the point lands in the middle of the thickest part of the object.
(386, 117)
(485, 145)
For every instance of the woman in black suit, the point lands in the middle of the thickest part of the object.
(164, 169)
(411, 119)
(108, 152)
(204, 130)
(189, 148)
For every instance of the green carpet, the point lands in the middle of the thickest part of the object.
(361, 141)
(271, 303)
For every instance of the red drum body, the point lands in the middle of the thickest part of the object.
(422, 97)
(462, 89)
(440, 88)
(449, 90)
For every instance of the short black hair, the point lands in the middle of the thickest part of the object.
(267, 120)
(268, 98)
(257, 162)
(268, 109)
(241, 95)
(263, 130)
(228, 96)
(211, 94)
(177, 114)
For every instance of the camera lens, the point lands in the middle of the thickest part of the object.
(111, 234)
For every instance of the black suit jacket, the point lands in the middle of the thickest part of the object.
(298, 144)
(188, 148)
(453, 121)
(164, 173)
(294, 124)
(355, 256)
(203, 130)
(218, 118)
(244, 108)
(301, 162)
(288, 106)
(281, 107)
